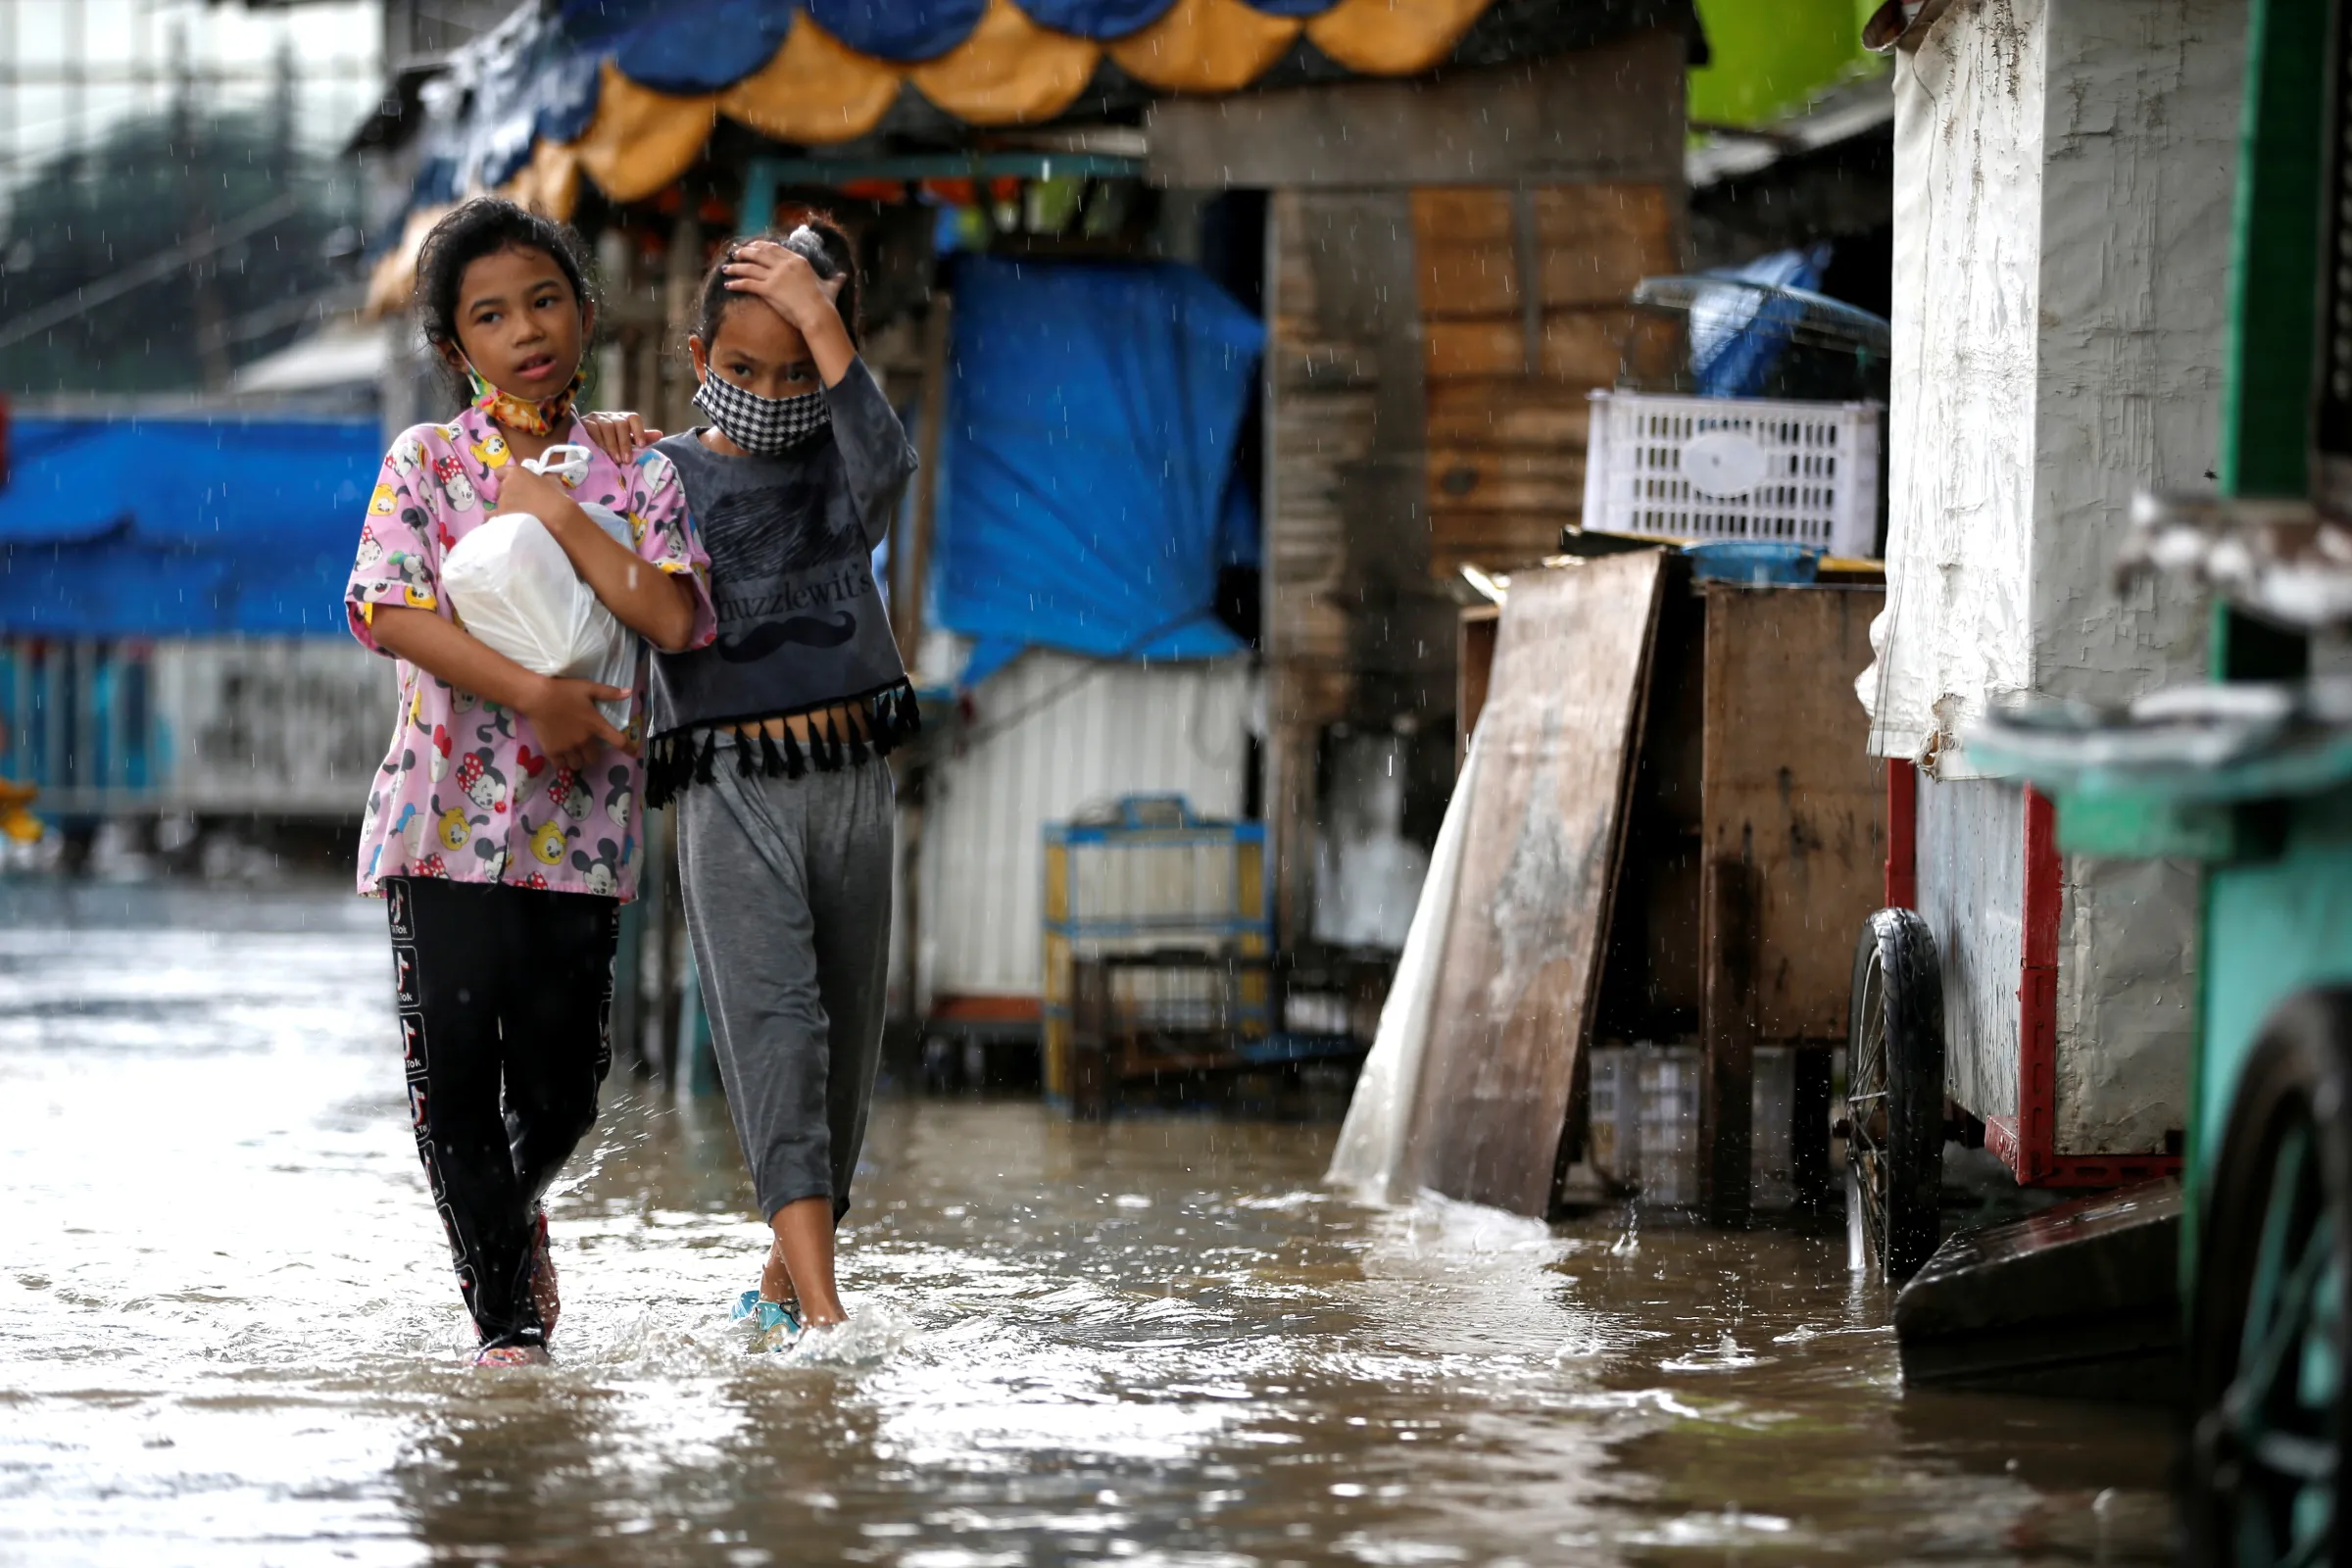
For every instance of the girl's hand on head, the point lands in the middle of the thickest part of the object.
(619, 436)
(571, 730)
(788, 283)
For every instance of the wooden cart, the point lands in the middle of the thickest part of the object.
(1682, 762)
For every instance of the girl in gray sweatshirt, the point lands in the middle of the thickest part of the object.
(770, 739)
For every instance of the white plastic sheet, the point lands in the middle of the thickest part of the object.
(1370, 1159)
(512, 586)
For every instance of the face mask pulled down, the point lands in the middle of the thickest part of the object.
(765, 428)
(543, 418)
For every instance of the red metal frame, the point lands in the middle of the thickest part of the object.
(1902, 834)
(2025, 1143)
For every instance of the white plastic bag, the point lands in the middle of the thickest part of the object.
(512, 586)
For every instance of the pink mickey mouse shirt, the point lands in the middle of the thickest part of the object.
(465, 792)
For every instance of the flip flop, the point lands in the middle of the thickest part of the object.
(767, 1317)
(544, 1295)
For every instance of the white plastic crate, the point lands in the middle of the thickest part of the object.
(1671, 467)
(1643, 1121)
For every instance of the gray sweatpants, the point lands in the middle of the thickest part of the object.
(788, 886)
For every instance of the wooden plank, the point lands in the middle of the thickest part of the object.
(1501, 413)
(1594, 243)
(1345, 538)
(1727, 1064)
(1509, 362)
(1790, 791)
(1515, 999)
(1583, 347)
(1495, 541)
(1599, 240)
(1613, 111)
(1472, 479)
(1465, 240)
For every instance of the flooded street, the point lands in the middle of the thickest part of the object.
(228, 1334)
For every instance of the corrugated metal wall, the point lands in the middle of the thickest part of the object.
(1053, 734)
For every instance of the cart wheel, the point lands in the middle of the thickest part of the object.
(2268, 1334)
(1895, 1092)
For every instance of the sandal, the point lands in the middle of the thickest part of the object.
(511, 1355)
(545, 1298)
(770, 1320)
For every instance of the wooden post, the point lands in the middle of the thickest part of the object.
(630, 378)
(910, 580)
(911, 554)
(682, 278)
(1727, 1027)
(1809, 1127)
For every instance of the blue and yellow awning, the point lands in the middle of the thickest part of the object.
(626, 92)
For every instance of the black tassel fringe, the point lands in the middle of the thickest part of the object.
(673, 761)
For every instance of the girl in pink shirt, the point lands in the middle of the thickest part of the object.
(501, 828)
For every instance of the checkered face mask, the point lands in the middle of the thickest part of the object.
(762, 426)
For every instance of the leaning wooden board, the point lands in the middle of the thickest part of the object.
(1522, 965)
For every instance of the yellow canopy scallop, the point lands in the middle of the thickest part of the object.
(549, 182)
(813, 90)
(642, 139)
(1011, 71)
(1393, 37)
(1204, 46)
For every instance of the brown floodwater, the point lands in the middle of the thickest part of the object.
(228, 1334)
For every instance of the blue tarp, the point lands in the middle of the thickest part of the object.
(1089, 459)
(157, 526)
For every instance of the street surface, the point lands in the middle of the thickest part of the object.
(228, 1334)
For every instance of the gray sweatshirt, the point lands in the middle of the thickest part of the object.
(801, 624)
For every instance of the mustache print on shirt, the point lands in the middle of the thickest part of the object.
(809, 631)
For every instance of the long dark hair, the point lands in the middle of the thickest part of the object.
(469, 231)
(716, 299)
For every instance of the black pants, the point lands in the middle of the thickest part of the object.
(506, 1008)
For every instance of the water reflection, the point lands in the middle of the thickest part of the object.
(228, 1335)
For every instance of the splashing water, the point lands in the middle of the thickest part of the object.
(872, 1336)
(228, 1334)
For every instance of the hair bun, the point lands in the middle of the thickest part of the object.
(809, 246)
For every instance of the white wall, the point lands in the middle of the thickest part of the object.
(1054, 733)
(2063, 179)
(2140, 129)
(1968, 128)
(2063, 171)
